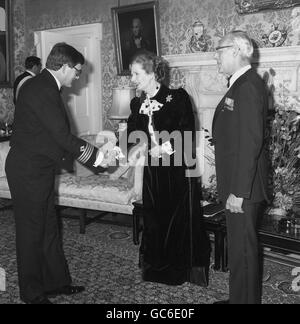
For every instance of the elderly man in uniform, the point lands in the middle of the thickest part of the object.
(239, 132)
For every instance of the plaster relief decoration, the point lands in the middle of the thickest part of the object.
(276, 37)
(199, 40)
(295, 22)
(250, 6)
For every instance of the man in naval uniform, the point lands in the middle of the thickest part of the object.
(40, 141)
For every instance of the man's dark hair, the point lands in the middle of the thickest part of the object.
(31, 61)
(61, 54)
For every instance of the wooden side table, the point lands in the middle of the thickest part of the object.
(217, 226)
(136, 224)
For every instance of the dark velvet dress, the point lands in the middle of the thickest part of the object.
(175, 247)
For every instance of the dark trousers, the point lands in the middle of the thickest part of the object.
(243, 255)
(40, 258)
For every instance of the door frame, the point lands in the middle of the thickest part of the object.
(93, 32)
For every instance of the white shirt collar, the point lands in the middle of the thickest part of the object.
(57, 81)
(30, 72)
(238, 74)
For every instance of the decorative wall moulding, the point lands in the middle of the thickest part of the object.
(251, 6)
(262, 55)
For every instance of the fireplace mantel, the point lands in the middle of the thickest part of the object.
(262, 55)
(199, 75)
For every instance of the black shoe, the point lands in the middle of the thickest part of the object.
(222, 302)
(66, 290)
(41, 300)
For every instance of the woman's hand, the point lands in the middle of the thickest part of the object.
(156, 152)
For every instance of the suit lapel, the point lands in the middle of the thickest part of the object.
(229, 94)
(220, 107)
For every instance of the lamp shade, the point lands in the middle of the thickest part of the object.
(121, 102)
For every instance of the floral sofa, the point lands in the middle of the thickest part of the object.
(112, 192)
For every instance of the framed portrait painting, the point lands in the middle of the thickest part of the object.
(136, 28)
(6, 41)
(251, 6)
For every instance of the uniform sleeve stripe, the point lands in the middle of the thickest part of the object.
(83, 153)
(90, 151)
(86, 155)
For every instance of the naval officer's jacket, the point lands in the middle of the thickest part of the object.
(41, 126)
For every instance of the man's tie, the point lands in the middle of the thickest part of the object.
(228, 81)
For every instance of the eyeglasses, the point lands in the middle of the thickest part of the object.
(221, 47)
(78, 72)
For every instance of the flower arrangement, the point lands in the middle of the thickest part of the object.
(284, 149)
(210, 192)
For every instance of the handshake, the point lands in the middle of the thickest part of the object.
(108, 152)
(107, 155)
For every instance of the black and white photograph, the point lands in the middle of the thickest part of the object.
(149, 155)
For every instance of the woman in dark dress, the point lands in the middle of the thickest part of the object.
(175, 248)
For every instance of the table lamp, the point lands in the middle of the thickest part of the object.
(120, 109)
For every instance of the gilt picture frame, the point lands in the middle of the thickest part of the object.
(252, 6)
(136, 28)
(6, 44)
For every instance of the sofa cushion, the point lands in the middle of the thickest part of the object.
(96, 187)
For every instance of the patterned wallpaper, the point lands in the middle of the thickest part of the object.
(6, 95)
(176, 20)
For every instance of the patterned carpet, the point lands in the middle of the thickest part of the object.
(104, 260)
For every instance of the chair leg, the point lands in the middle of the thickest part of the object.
(225, 254)
(218, 250)
(82, 220)
(136, 226)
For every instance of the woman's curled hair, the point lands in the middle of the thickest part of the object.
(150, 62)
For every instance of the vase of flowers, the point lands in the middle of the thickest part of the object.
(209, 191)
(284, 151)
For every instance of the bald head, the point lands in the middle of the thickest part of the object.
(235, 51)
(243, 42)
(137, 27)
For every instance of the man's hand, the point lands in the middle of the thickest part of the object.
(106, 156)
(234, 204)
(110, 159)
